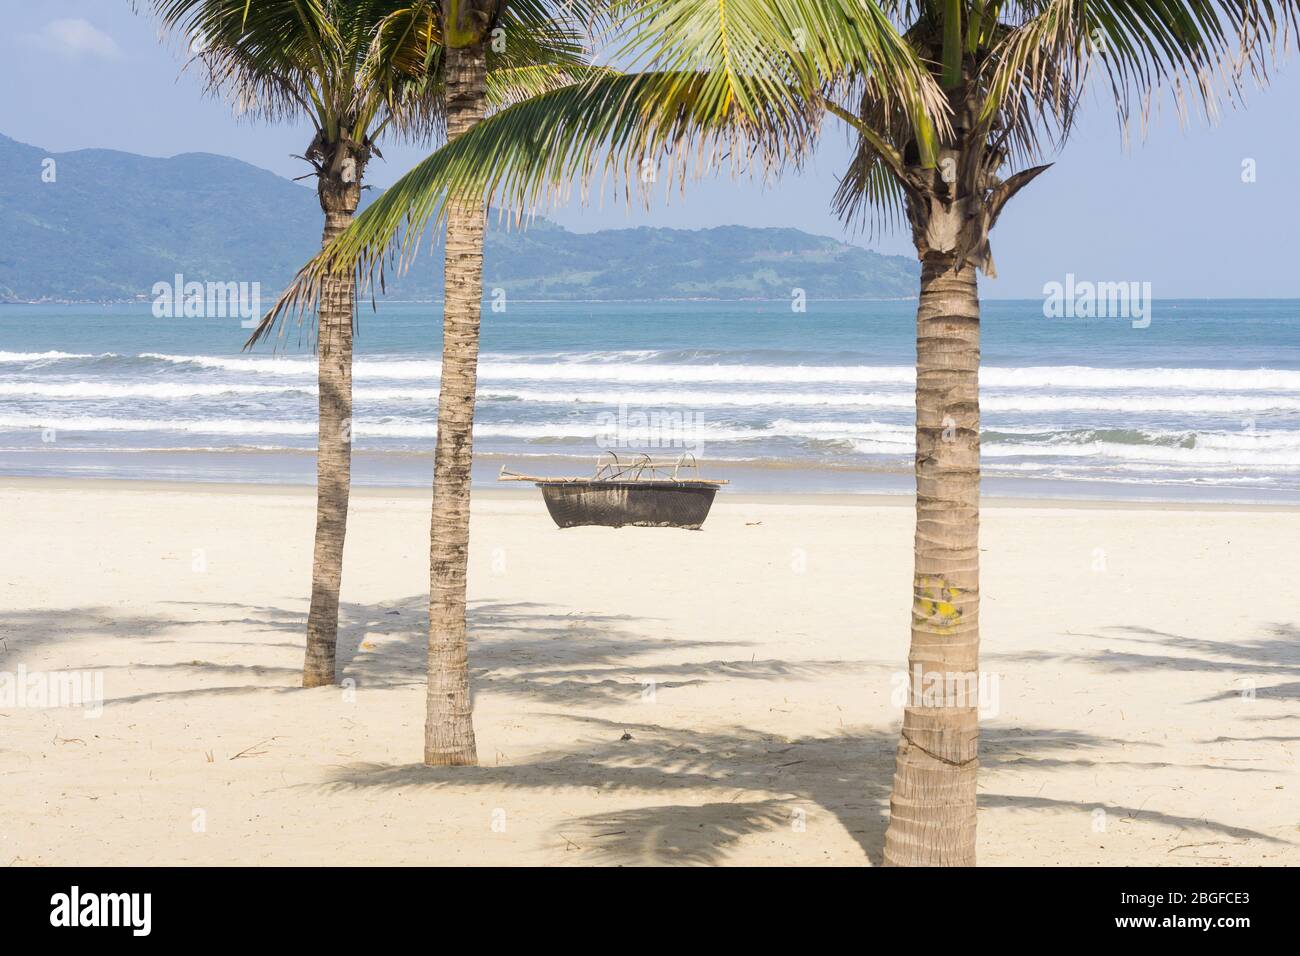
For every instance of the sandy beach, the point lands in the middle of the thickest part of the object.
(643, 696)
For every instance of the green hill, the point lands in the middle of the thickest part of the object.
(112, 224)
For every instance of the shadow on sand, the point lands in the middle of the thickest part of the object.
(729, 782)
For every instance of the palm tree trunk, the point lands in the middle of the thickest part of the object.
(932, 809)
(333, 451)
(449, 724)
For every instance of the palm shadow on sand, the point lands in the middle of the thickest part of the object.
(534, 651)
(752, 783)
(1249, 665)
(731, 783)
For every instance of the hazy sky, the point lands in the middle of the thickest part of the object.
(1172, 210)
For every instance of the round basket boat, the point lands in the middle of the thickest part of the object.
(642, 504)
(642, 494)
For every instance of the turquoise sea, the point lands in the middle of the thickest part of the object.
(1202, 403)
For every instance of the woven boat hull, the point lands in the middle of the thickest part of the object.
(616, 504)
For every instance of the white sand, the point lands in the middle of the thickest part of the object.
(1123, 638)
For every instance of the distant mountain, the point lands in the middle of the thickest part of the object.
(111, 224)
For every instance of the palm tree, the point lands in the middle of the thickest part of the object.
(1013, 74)
(449, 708)
(288, 59)
(1008, 77)
(355, 69)
(468, 25)
(471, 55)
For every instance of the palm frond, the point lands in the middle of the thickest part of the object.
(542, 46)
(508, 86)
(775, 51)
(738, 84)
(622, 125)
(1193, 49)
(269, 57)
(1027, 64)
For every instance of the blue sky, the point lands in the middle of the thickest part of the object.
(1172, 209)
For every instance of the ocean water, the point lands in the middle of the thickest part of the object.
(1205, 402)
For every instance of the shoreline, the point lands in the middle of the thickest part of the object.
(796, 499)
(385, 471)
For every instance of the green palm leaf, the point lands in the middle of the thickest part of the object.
(740, 83)
(1200, 48)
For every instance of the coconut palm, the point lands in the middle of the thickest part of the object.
(449, 710)
(472, 30)
(1013, 74)
(440, 64)
(355, 69)
(1009, 76)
